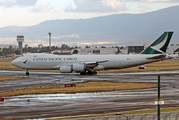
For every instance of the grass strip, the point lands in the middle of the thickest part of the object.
(4, 78)
(80, 88)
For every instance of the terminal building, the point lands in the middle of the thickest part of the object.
(96, 51)
(109, 50)
(172, 49)
(135, 49)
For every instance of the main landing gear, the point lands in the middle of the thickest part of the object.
(27, 72)
(88, 73)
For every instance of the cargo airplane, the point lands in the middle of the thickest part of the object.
(89, 64)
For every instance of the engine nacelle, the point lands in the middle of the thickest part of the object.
(66, 69)
(78, 67)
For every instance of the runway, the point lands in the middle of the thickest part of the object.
(62, 105)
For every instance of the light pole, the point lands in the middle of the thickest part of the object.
(159, 101)
(50, 41)
(158, 108)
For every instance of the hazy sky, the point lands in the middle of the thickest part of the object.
(32, 12)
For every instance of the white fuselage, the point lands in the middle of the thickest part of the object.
(51, 61)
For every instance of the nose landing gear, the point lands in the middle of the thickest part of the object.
(27, 72)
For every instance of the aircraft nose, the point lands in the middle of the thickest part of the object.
(15, 62)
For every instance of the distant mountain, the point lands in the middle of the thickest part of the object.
(116, 29)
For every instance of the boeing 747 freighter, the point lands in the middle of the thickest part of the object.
(89, 64)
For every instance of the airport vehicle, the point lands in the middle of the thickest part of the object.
(89, 64)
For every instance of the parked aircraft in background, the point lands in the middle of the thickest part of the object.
(89, 64)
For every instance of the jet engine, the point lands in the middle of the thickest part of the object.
(78, 67)
(75, 67)
(66, 69)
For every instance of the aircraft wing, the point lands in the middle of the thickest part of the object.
(94, 63)
(87, 64)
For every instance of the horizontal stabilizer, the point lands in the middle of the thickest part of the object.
(157, 57)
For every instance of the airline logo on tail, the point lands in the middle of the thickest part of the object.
(160, 45)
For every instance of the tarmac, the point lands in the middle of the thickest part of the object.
(64, 105)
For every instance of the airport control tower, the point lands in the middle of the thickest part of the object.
(20, 40)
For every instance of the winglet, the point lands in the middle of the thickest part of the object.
(160, 45)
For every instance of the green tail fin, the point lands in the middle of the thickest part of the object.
(160, 45)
